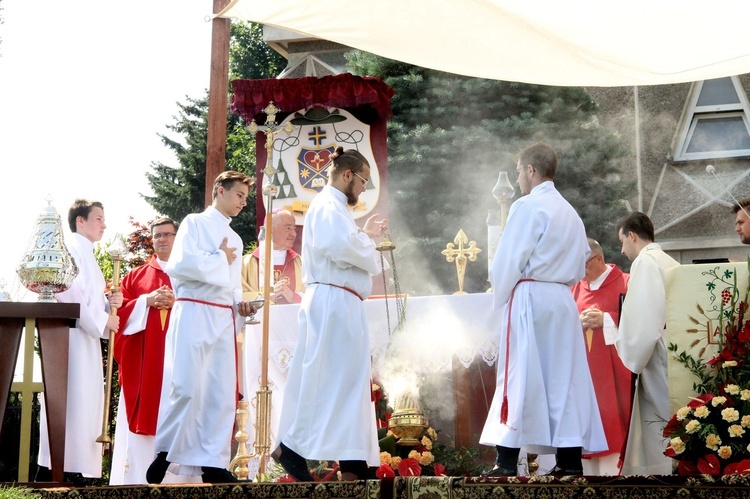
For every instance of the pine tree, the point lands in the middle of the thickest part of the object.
(179, 191)
(450, 136)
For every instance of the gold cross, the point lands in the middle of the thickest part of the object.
(461, 255)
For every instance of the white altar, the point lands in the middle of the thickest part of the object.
(436, 328)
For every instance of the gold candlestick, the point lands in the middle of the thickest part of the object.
(238, 466)
(117, 251)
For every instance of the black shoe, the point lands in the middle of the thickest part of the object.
(217, 475)
(157, 469)
(500, 471)
(43, 474)
(558, 471)
(75, 479)
(294, 464)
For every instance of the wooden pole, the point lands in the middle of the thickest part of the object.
(216, 146)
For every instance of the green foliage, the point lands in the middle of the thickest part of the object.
(462, 461)
(450, 136)
(249, 56)
(696, 367)
(179, 191)
(16, 492)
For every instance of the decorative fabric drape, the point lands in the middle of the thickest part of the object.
(345, 90)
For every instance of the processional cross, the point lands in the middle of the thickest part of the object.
(262, 444)
(461, 255)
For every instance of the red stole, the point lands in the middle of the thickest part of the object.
(287, 269)
(140, 356)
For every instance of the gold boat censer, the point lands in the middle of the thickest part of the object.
(408, 422)
(47, 267)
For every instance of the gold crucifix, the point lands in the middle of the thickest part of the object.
(270, 129)
(461, 255)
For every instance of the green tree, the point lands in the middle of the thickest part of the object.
(179, 191)
(449, 138)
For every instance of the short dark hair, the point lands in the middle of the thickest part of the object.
(227, 179)
(81, 208)
(542, 157)
(743, 203)
(161, 221)
(349, 159)
(637, 223)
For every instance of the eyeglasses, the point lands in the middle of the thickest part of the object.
(362, 179)
(164, 235)
(519, 170)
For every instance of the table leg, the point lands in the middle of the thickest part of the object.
(53, 340)
(10, 341)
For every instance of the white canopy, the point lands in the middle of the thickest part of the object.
(570, 43)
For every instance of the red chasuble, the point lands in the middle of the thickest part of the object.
(140, 356)
(612, 380)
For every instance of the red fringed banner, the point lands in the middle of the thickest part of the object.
(346, 90)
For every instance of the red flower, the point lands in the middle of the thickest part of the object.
(384, 471)
(742, 467)
(709, 465)
(439, 470)
(671, 427)
(701, 400)
(286, 479)
(409, 467)
(686, 468)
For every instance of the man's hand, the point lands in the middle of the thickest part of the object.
(374, 227)
(244, 308)
(115, 299)
(113, 322)
(592, 318)
(281, 290)
(161, 298)
(228, 251)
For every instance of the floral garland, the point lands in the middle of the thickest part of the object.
(711, 434)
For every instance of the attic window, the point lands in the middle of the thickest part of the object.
(716, 122)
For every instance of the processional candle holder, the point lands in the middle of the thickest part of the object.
(117, 252)
(503, 192)
(47, 266)
(408, 422)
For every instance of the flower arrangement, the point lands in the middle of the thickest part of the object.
(711, 434)
(418, 460)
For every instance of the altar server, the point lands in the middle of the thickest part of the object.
(328, 412)
(196, 415)
(85, 404)
(544, 400)
(641, 345)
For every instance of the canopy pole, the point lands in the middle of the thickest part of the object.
(216, 145)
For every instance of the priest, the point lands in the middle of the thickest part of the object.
(287, 265)
(597, 297)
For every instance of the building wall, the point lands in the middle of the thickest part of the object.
(677, 195)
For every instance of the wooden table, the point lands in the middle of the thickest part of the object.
(53, 322)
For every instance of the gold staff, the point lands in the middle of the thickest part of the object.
(117, 251)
